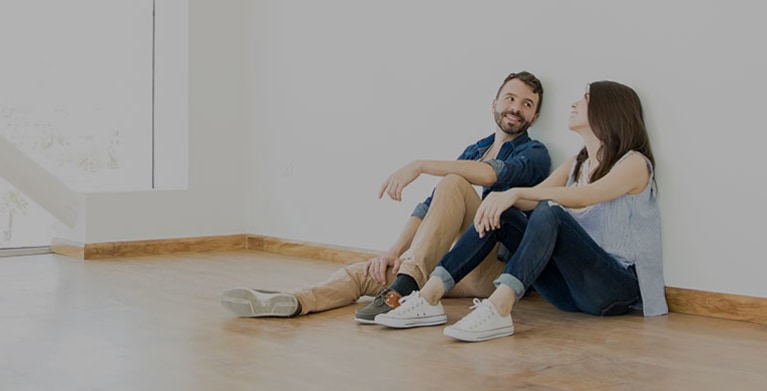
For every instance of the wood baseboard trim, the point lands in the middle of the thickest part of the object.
(717, 305)
(68, 248)
(345, 255)
(138, 248)
(680, 300)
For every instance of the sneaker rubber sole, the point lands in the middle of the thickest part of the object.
(405, 323)
(251, 303)
(364, 321)
(379, 305)
(477, 336)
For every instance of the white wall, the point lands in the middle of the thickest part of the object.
(344, 92)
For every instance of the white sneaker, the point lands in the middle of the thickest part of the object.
(413, 311)
(481, 324)
(254, 303)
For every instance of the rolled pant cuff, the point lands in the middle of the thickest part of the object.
(444, 275)
(512, 282)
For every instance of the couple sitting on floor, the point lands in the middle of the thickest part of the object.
(586, 236)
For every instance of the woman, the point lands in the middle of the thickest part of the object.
(592, 242)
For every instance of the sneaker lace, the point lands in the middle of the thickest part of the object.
(379, 299)
(477, 317)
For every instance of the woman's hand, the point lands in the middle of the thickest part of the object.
(488, 215)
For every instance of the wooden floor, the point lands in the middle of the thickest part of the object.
(155, 323)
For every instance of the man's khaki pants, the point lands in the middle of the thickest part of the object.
(451, 212)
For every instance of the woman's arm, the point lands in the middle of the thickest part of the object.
(555, 179)
(630, 176)
(488, 215)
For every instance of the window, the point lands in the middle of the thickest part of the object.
(94, 92)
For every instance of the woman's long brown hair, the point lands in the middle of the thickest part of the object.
(616, 118)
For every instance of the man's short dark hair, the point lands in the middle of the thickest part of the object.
(531, 81)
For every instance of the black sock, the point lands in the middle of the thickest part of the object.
(404, 285)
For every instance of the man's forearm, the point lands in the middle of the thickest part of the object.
(477, 173)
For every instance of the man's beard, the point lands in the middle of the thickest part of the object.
(510, 130)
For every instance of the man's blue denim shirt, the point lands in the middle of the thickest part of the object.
(522, 162)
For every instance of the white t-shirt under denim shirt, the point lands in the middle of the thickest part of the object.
(628, 228)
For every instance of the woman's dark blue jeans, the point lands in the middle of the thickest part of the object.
(552, 253)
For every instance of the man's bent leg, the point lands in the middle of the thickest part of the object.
(452, 210)
(342, 288)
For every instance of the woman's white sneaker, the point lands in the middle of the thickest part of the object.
(481, 324)
(413, 311)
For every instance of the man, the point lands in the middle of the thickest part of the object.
(507, 158)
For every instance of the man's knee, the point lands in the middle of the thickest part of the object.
(355, 277)
(453, 182)
(456, 188)
(354, 273)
